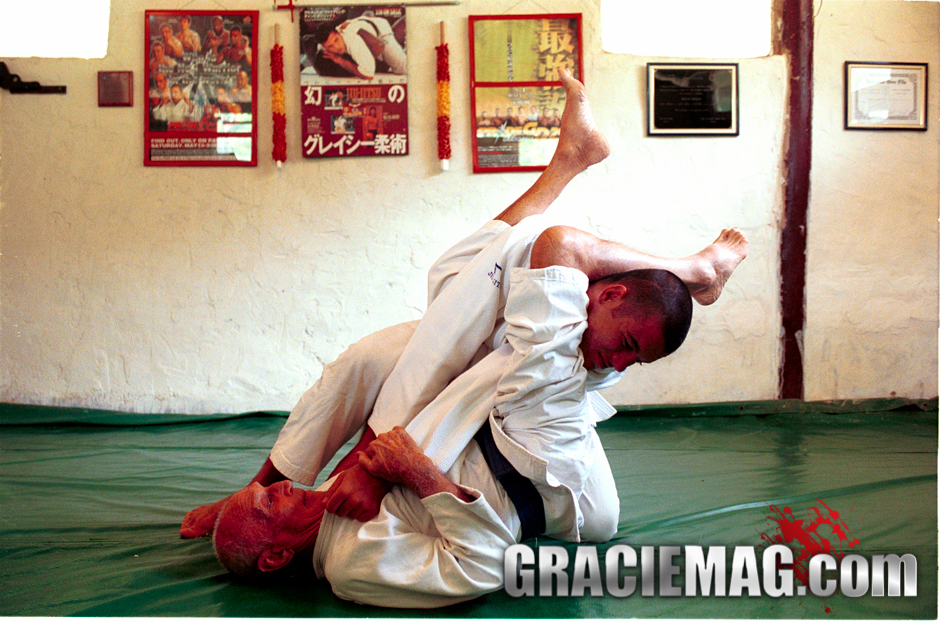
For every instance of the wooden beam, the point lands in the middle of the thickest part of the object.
(797, 41)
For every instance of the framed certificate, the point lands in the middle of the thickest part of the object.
(516, 98)
(692, 99)
(885, 96)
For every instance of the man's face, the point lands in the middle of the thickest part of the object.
(335, 43)
(241, 80)
(280, 508)
(270, 524)
(161, 81)
(166, 31)
(614, 341)
(176, 93)
(184, 23)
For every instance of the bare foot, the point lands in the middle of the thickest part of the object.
(580, 144)
(716, 263)
(580, 138)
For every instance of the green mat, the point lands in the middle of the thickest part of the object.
(91, 501)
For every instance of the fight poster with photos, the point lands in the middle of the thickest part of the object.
(353, 81)
(515, 93)
(200, 88)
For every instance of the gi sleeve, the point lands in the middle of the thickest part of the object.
(357, 48)
(543, 416)
(419, 553)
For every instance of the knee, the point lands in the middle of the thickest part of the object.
(380, 351)
(601, 522)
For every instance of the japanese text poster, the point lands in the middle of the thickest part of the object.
(201, 100)
(516, 96)
(353, 81)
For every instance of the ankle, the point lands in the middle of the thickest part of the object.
(702, 273)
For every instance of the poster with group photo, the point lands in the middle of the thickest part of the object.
(200, 88)
(353, 81)
(515, 93)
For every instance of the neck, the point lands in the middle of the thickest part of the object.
(308, 535)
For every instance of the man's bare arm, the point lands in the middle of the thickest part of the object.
(376, 45)
(705, 273)
(347, 64)
(356, 493)
(395, 457)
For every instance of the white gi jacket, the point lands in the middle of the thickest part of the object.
(518, 330)
(421, 553)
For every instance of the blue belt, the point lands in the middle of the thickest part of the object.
(521, 491)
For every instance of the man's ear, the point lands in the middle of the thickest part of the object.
(614, 292)
(274, 559)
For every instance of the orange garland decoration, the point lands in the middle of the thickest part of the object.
(443, 104)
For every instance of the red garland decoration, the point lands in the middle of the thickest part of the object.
(443, 102)
(278, 117)
(443, 67)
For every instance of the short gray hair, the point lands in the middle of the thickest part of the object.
(238, 540)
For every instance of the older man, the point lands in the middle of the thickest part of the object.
(526, 318)
(436, 541)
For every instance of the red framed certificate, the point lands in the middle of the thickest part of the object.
(515, 94)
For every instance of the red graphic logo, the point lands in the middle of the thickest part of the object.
(821, 532)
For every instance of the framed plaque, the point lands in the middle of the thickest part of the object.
(692, 99)
(885, 96)
(516, 98)
(115, 88)
(200, 88)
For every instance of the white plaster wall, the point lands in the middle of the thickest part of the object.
(672, 196)
(223, 290)
(872, 260)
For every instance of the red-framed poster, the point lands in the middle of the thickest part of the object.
(516, 98)
(353, 81)
(200, 88)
